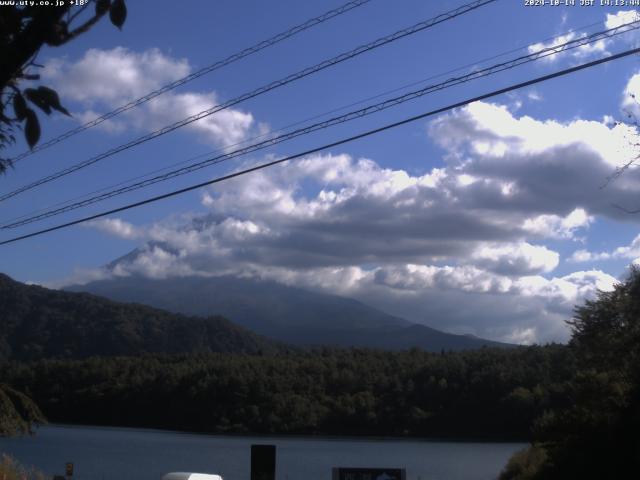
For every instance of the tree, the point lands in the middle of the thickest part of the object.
(595, 434)
(606, 331)
(18, 413)
(24, 30)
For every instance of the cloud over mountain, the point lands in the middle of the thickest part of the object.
(460, 247)
(469, 246)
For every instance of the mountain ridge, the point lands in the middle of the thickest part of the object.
(288, 314)
(37, 323)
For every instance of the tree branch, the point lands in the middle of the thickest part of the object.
(86, 26)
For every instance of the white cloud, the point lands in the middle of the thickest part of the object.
(459, 298)
(552, 50)
(492, 130)
(463, 299)
(102, 80)
(422, 277)
(555, 226)
(535, 96)
(430, 249)
(555, 169)
(631, 97)
(461, 247)
(522, 336)
(628, 252)
(114, 75)
(583, 255)
(117, 228)
(569, 289)
(598, 48)
(516, 259)
(614, 20)
(154, 262)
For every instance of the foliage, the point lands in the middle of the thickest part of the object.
(594, 434)
(253, 384)
(525, 464)
(579, 403)
(18, 413)
(487, 393)
(42, 323)
(606, 331)
(24, 30)
(10, 469)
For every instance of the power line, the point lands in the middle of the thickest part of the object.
(203, 71)
(378, 107)
(333, 144)
(299, 122)
(259, 91)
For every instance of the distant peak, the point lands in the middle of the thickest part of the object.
(6, 278)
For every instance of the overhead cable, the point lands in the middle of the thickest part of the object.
(368, 110)
(367, 133)
(197, 74)
(254, 93)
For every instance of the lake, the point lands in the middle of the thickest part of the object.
(132, 454)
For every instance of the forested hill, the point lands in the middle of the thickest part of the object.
(490, 393)
(37, 322)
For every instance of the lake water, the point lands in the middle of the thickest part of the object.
(132, 454)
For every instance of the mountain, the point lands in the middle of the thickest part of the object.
(36, 322)
(281, 312)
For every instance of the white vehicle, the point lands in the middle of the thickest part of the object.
(190, 476)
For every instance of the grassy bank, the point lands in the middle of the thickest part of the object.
(11, 469)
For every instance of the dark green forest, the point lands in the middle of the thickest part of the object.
(488, 393)
(578, 404)
(37, 322)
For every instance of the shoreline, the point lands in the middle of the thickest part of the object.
(301, 436)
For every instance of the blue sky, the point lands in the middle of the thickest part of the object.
(485, 220)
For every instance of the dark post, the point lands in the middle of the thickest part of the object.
(263, 462)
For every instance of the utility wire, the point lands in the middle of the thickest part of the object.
(492, 70)
(203, 71)
(266, 88)
(367, 133)
(299, 122)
